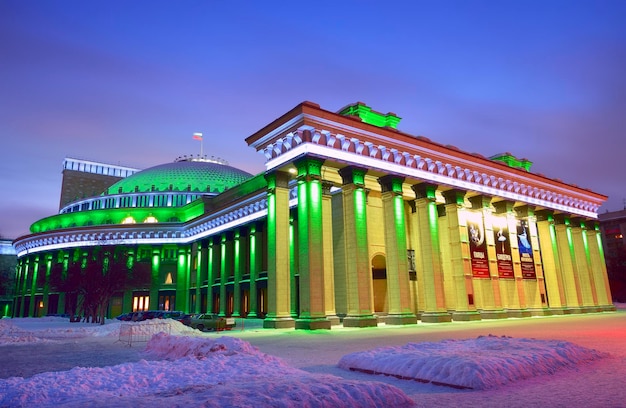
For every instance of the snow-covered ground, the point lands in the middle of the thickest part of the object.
(568, 361)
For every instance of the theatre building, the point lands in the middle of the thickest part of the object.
(352, 222)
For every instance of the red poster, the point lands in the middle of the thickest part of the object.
(525, 250)
(478, 248)
(503, 250)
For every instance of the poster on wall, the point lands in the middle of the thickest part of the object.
(503, 248)
(525, 250)
(478, 246)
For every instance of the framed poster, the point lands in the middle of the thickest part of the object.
(478, 246)
(502, 242)
(525, 250)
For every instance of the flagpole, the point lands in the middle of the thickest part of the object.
(198, 136)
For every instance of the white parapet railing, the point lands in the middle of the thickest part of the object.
(141, 332)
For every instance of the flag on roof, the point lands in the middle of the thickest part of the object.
(197, 136)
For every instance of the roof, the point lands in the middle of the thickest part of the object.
(200, 175)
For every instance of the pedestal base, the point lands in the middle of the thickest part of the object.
(361, 321)
(465, 316)
(401, 319)
(312, 324)
(279, 323)
(493, 314)
(435, 317)
(518, 313)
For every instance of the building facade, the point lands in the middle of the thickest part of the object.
(613, 228)
(8, 261)
(353, 221)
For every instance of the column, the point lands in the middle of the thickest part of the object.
(517, 307)
(294, 290)
(182, 280)
(490, 291)
(552, 272)
(237, 266)
(429, 268)
(278, 274)
(581, 254)
(359, 296)
(21, 285)
(213, 271)
(46, 287)
(598, 267)
(226, 255)
(398, 290)
(312, 313)
(254, 270)
(571, 284)
(155, 282)
(460, 264)
(203, 271)
(32, 306)
(327, 242)
(537, 299)
(61, 308)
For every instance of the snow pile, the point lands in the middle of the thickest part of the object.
(483, 363)
(11, 334)
(174, 347)
(43, 329)
(202, 371)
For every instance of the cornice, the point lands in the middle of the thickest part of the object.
(433, 166)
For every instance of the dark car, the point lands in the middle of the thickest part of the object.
(186, 319)
(125, 317)
(169, 314)
(210, 321)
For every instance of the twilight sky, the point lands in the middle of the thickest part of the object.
(129, 82)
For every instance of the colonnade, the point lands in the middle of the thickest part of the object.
(530, 262)
(448, 254)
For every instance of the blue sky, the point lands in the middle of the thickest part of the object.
(128, 82)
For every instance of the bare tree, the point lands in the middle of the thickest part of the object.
(97, 277)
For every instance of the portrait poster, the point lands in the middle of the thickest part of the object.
(525, 250)
(502, 243)
(478, 246)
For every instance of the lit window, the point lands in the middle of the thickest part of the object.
(128, 220)
(150, 219)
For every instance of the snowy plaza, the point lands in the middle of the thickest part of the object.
(575, 360)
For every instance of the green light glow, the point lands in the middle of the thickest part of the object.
(359, 204)
(252, 250)
(398, 204)
(512, 161)
(183, 175)
(367, 115)
(117, 216)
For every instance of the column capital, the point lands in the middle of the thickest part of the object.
(561, 219)
(353, 175)
(277, 179)
(326, 186)
(454, 196)
(425, 190)
(504, 206)
(391, 183)
(524, 211)
(480, 201)
(581, 222)
(309, 168)
(545, 215)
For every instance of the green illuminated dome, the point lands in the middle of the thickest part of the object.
(199, 175)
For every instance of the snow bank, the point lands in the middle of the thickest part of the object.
(44, 329)
(204, 371)
(484, 363)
